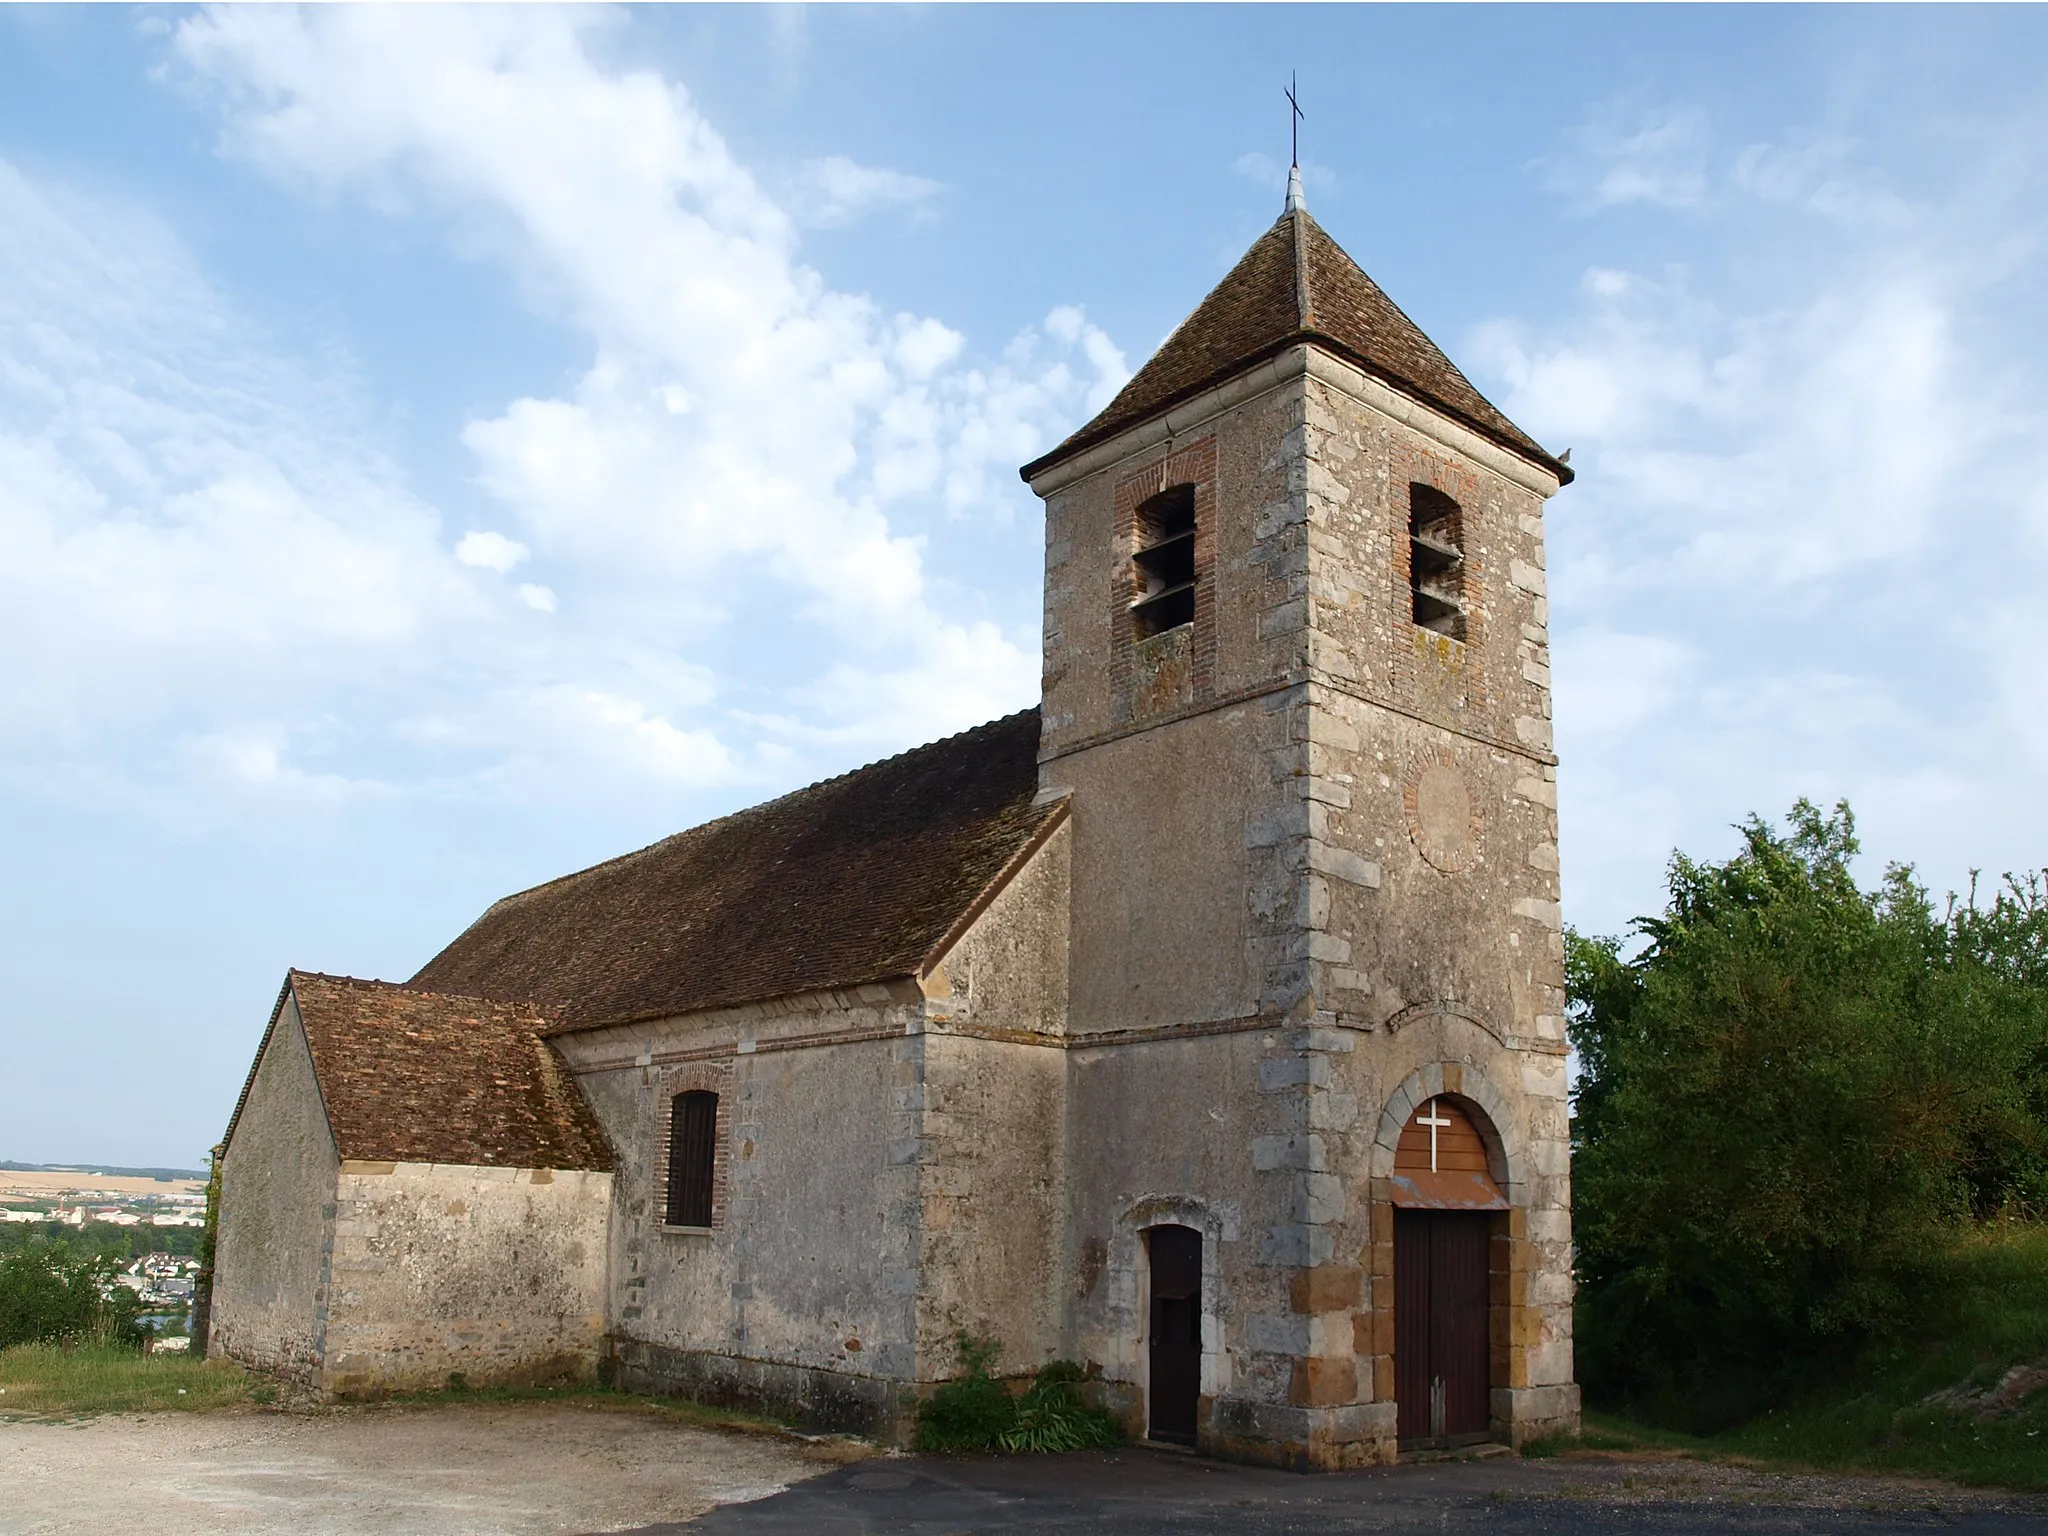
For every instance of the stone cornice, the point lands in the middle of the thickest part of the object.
(1304, 360)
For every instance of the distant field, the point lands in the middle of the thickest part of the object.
(126, 1173)
(42, 1182)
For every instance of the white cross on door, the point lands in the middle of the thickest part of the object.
(1433, 1119)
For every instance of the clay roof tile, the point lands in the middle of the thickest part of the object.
(424, 1077)
(849, 881)
(1297, 285)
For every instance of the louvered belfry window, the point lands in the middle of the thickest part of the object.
(1436, 561)
(692, 1151)
(1165, 563)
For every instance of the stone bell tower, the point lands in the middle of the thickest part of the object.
(1297, 690)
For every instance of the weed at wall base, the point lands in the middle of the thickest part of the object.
(976, 1412)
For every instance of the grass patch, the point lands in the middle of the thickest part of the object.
(1884, 1415)
(44, 1381)
(1995, 1318)
(1612, 1433)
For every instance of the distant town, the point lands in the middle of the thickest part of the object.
(116, 1197)
(124, 1212)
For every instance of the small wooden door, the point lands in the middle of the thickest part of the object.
(1440, 1264)
(1176, 1332)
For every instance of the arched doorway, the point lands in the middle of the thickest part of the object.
(1447, 1208)
(1174, 1333)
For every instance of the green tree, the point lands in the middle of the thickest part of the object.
(49, 1294)
(1792, 1097)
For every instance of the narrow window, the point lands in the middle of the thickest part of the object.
(692, 1146)
(1165, 563)
(1436, 561)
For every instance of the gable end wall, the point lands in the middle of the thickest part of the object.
(270, 1284)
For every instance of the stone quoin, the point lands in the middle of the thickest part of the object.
(1203, 1025)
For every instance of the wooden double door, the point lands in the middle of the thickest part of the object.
(1440, 1326)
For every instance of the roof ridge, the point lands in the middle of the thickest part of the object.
(1304, 294)
(295, 973)
(749, 810)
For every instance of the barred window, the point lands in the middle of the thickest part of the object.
(692, 1151)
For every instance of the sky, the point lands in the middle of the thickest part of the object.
(442, 448)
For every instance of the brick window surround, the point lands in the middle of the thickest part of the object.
(697, 1077)
(1194, 465)
(1409, 466)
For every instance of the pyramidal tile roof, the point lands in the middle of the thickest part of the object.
(1297, 285)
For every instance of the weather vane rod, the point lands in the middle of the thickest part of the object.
(1295, 201)
(1294, 121)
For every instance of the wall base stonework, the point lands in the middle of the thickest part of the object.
(1522, 1414)
(1300, 1439)
(833, 1401)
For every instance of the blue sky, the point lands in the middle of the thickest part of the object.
(442, 448)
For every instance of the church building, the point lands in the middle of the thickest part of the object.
(1202, 1025)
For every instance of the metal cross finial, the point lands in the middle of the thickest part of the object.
(1433, 1120)
(1294, 120)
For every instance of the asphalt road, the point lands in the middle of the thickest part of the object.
(1148, 1493)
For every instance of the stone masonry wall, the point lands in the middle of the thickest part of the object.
(802, 1296)
(991, 1144)
(276, 1216)
(494, 1273)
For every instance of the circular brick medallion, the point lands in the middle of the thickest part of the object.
(1441, 816)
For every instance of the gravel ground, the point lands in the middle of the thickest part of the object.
(429, 1471)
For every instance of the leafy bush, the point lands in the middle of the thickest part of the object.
(1792, 1102)
(49, 1295)
(976, 1412)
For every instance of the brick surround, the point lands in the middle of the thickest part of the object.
(1169, 672)
(695, 1077)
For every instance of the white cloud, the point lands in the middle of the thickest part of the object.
(187, 527)
(834, 190)
(489, 551)
(1822, 179)
(1770, 449)
(1659, 158)
(1666, 158)
(811, 416)
(1609, 683)
(213, 569)
(1800, 555)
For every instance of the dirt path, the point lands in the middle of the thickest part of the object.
(503, 1468)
